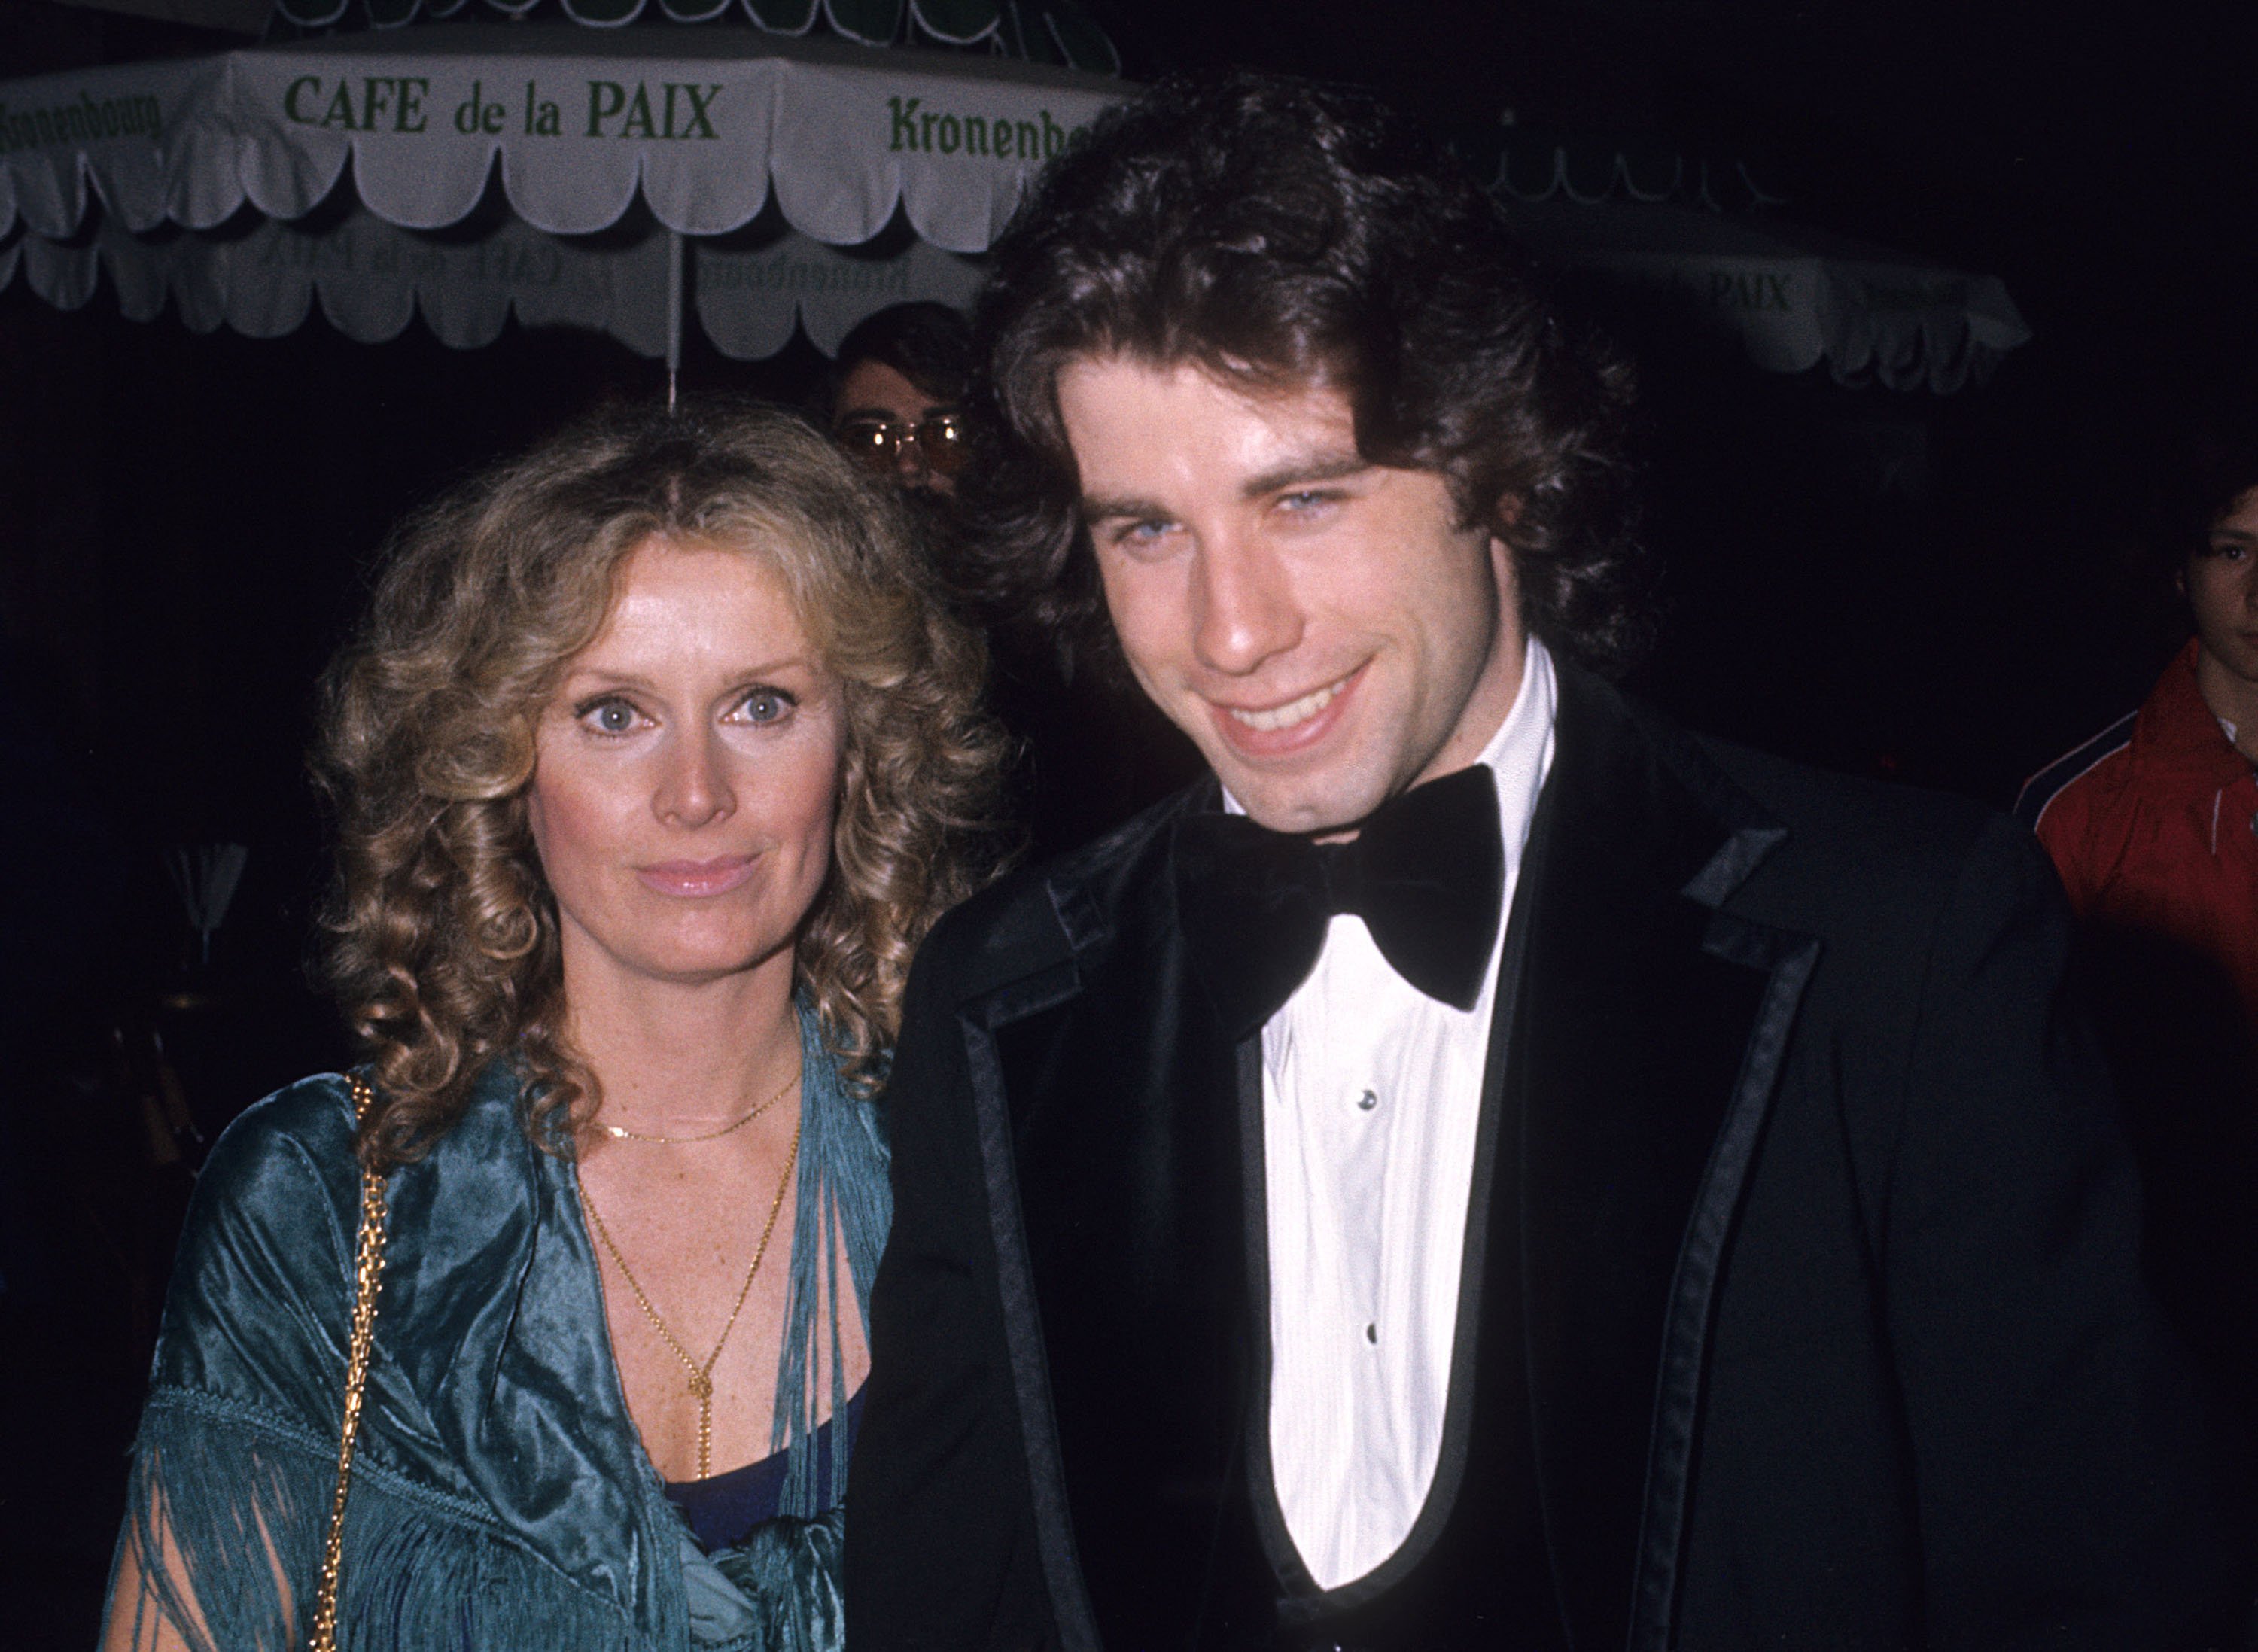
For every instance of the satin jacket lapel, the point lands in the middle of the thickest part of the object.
(1104, 1092)
(510, 1361)
(1647, 1042)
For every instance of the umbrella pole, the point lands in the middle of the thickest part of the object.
(673, 314)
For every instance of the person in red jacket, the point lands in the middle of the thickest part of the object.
(2153, 824)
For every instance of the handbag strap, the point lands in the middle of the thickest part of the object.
(368, 1274)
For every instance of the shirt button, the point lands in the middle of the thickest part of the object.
(1372, 1334)
(1370, 1099)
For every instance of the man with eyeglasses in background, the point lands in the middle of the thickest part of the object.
(895, 391)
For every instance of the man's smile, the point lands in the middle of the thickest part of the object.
(1294, 710)
(1259, 734)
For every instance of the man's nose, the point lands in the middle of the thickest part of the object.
(694, 788)
(1244, 606)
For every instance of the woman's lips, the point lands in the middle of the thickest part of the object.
(1291, 726)
(693, 879)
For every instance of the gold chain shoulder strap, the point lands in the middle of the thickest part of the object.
(368, 1274)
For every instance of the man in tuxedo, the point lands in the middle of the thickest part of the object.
(1482, 1169)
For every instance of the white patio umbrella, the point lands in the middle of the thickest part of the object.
(1795, 297)
(570, 175)
(577, 176)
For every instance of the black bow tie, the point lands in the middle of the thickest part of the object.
(1426, 874)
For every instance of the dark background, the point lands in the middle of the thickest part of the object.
(1946, 590)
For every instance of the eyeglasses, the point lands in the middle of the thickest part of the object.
(940, 438)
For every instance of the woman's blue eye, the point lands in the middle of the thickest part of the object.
(766, 706)
(611, 717)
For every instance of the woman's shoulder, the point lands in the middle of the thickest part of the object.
(282, 1148)
(263, 1263)
(306, 1130)
(285, 1172)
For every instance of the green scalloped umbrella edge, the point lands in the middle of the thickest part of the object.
(1083, 43)
(783, 17)
(603, 14)
(958, 22)
(866, 22)
(1040, 31)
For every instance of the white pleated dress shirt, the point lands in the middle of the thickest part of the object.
(1371, 1094)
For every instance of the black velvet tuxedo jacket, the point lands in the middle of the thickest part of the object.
(1801, 1304)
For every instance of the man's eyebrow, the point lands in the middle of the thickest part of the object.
(1296, 472)
(1301, 472)
(887, 415)
(1107, 508)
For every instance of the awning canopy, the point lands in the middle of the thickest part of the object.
(577, 125)
(1532, 164)
(548, 170)
(1793, 296)
(262, 277)
(539, 169)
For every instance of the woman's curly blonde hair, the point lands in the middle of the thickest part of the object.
(442, 934)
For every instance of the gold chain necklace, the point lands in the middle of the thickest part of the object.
(620, 1132)
(701, 1376)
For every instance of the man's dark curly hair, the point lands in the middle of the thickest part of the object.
(1282, 234)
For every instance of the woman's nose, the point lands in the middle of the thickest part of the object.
(695, 789)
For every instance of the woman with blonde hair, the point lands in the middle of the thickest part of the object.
(546, 1328)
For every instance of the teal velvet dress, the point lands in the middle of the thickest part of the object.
(501, 1500)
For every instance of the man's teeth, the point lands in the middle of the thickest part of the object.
(1293, 712)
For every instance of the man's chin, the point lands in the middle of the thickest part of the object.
(1315, 805)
